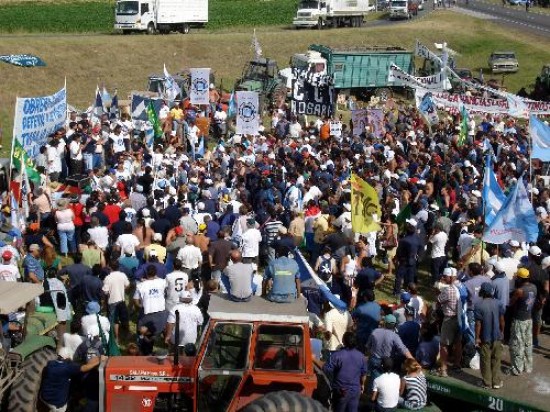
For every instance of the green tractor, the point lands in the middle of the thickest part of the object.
(541, 90)
(262, 75)
(26, 345)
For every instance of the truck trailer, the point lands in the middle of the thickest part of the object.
(356, 70)
(161, 16)
(331, 13)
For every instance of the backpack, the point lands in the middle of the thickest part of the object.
(325, 268)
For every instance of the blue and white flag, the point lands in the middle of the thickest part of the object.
(139, 106)
(99, 109)
(493, 196)
(171, 88)
(113, 110)
(22, 60)
(232, 106)
(516, 219)
(428, 109)
(14, 212)
(517, 107)
(309, 279)
(540, 138)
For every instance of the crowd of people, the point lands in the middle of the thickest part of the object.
(134, 230)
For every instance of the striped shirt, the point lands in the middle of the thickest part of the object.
(271, 230)
(415, 391)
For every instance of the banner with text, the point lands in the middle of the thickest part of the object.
(311, 93)
(438, 81)
(38, 117)
(248, 113)
(376, 122)
(199, 86)
(422, 51)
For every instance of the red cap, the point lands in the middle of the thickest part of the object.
(7, 255)
(178, 230)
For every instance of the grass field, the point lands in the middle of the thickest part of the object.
(124, 62)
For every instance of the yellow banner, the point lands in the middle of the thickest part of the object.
(364, 205)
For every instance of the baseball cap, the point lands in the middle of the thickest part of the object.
(514, 243)
(7, 255)
(499, 267)
(545, 262)
(390, 319)
(412, 222)
(448, 272)
(33, 247)
(202, 227)
(92, 308)
(405, 297)
(157, 236)
(128, 250)
(535, 251)
(522, 273)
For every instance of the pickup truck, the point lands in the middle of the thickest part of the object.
(503, 62)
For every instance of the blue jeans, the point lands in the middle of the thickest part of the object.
(223, 282)
(88, 161)
(98, 160)
(404, 273)
(67, 236)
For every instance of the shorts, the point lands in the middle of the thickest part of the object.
(450, 332)
(118, 313)
(537, 316)
(155, 322)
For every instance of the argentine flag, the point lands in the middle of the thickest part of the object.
(540, 138)
(493, 197)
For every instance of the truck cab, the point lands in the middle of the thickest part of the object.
(399, 9)
(134, 15)
(246, 351)
(311, 13)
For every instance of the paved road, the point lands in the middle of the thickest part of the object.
(533, 21)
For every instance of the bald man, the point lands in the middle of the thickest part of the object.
(237, 278)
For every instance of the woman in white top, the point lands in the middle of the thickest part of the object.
(65, 227)
(348, 267)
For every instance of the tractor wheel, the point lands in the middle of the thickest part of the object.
(24, 393)
(284, 401)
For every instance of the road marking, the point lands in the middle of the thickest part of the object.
(485, 16)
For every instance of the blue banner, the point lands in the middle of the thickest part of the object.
(22, 60)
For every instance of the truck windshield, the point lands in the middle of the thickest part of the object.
(308, 5)
(127, 8)
(399, 4)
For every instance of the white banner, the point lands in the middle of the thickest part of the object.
(199, 86)
(422, 51)
(438, 81)
(38, 117)
(482, 105)
(248, 113)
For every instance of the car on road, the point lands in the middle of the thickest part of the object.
(517, 2)
(503, 62)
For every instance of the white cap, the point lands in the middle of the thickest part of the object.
(467, 163)
(490, 263)
(434, 206)
(157, 236)
(146, 212)
(541, 211)
(545, 262)
(534, 190)
(514, 243)
(412, 222)
(499, 267)
(448, 272)
(201, 206)
(535, 251)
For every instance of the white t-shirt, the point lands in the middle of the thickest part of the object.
(438, 241)
(9, 273)
(117, 142)
(176, 283)
(114, 285)
(76, 152)
(151, 294)
(190, 318)
(250, 243)
(90, 326)
(127, 240)
(71, 342)
(387, 385)
(100, 235)
(190, 256)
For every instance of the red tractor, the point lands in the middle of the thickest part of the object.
(248, 351)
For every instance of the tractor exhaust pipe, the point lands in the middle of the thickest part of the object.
(177, 339)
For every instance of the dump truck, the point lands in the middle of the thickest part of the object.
(160, 16)
(356, 70)
(331, 13)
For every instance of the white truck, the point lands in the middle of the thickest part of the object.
(331, 13)
(161, 16)
(403, 9)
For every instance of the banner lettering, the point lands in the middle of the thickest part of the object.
(311, 94)
(438, 81)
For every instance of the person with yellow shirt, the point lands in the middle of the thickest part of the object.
(157, 247)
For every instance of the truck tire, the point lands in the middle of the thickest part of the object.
(24, 393)
(185, 28)
(284, 401)
(320, 24)
(151, 29)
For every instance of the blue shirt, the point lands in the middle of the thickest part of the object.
(367, 316)
(347, 367)
(284, 272)
(31, 264)
(57, 381)
(409, 333)
(488, 312)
